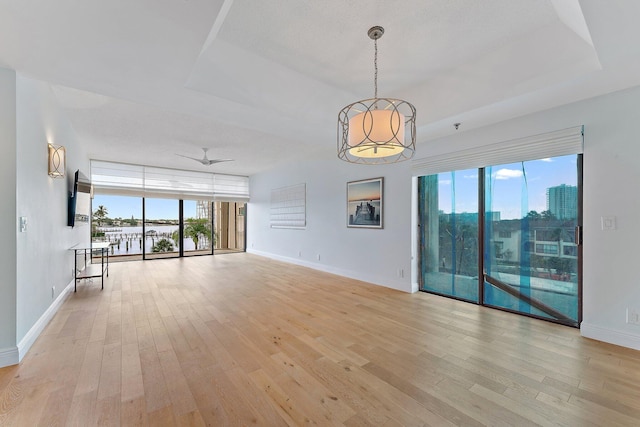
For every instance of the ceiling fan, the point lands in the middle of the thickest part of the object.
(205, 160)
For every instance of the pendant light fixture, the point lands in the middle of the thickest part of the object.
(377, 130)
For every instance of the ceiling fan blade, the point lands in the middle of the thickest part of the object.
(205, 160)
(187, 157)
(219, 161)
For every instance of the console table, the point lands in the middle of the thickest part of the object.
(85, 268)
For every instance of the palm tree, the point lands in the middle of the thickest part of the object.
(197, 229)
(175, 236)
(163, 245)
(100, 214)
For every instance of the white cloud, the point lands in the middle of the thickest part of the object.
(471, 176)
(508, 174)
(548, 160)
(444, 181)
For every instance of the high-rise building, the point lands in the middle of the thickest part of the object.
(562, 201)
(203, 209)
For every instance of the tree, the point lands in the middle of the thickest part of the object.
(198, 229)
(547, 215)
(463, 236)
(533, 215)
(100, 214)
(163, 245)
(175, 236)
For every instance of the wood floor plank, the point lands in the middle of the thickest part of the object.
(133, 412)
(89, 377)
(155, 389)
(179, 392)
(110, 378)
(243, 340)
(108, 411)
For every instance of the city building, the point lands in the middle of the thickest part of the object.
(562, 201)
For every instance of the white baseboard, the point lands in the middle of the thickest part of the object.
(400, 285)
(9, 356)
(415, 287)
(30, 337)
(610, 336)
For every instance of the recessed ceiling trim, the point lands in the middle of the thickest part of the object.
(213, 34)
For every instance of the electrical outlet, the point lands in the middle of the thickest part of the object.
(299, 253)
(633, 316)
(400, 273)
(53, 292)
(318, 256)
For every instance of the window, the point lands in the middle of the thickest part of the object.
(547, 249)
(167, 227)
(527, 262)
(450, 236)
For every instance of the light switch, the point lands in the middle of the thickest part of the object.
(23, 224)
(608, 223)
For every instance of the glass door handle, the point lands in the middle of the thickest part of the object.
(578, 235)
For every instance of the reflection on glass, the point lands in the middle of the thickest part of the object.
(161, 228)
(449, 233)
(531, 257)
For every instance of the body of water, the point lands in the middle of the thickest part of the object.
(129, 240)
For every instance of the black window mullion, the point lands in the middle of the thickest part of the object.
(181, 228)
(481, 223)
(144, 234)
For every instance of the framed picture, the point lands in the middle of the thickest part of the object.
(364, 203)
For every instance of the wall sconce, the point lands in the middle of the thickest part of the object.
(57, 161)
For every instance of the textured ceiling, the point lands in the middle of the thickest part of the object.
(262, 81)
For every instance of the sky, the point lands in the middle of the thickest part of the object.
(512, 194)
(364, 191)
(124, 207)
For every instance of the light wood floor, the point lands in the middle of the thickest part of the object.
(241, 340)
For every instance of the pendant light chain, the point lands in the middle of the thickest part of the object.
(375, 66)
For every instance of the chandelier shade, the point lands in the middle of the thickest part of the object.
(377, 130)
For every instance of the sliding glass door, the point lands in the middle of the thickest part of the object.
(198, 237)
(161, 228)
(518, 249)
(449, 238)
(118, 220)
(148, 228)
(229, 220)
(531, 253)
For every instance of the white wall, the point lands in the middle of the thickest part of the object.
(7, 216)
(371, 255)
(611, 176)
(35, 261)
(44, 260)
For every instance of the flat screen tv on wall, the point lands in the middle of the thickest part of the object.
(79, 212)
